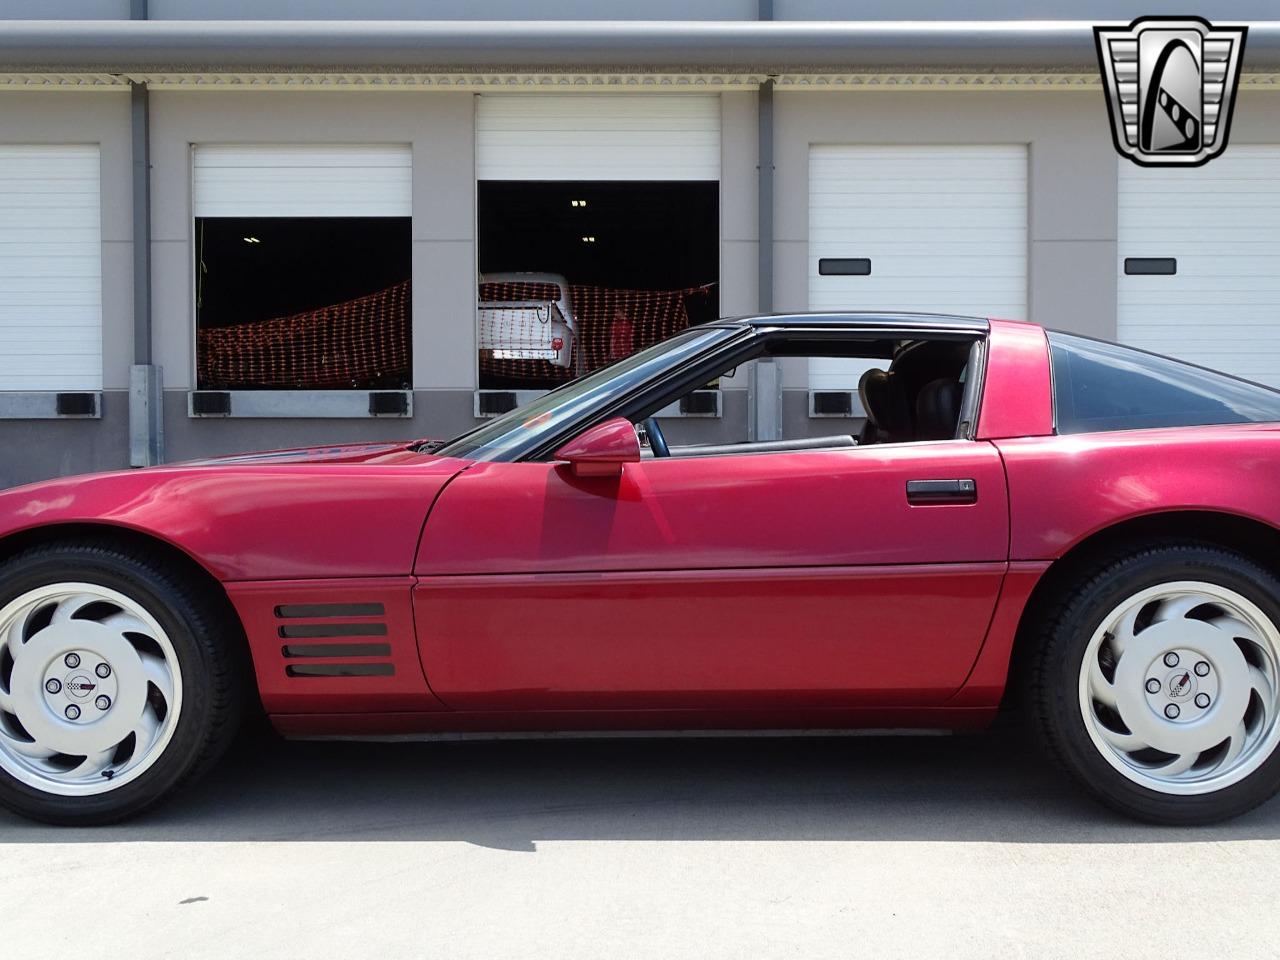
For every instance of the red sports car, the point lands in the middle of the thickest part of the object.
(1085, 528)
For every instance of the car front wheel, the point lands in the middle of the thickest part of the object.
(116, 682)
(1158, 684)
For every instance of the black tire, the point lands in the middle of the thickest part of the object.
(1064, 636)
(209, 645)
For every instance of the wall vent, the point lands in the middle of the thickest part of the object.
(77, 404)
(210, 403)
(493, 403)
(832, 403)
(388, 403)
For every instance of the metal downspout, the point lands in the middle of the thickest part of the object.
(146, 423)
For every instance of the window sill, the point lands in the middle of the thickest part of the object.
(299, 404)
(59, 405)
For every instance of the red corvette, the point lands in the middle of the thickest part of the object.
(1091, 529)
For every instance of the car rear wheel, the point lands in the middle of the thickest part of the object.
(1158, 684)
(118, 682)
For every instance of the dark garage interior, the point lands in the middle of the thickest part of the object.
(613, 236)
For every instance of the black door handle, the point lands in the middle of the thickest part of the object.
(942, 491)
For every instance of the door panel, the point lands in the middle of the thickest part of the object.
(715, 639)
(801, 578)
(805, 508)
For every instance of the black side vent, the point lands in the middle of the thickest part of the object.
(293, 650)
(77, 404)
(388, 403)
(337, 622)
(493, 403)
(339, 670)
(833, 403)
(303, 631)
(701, 403)
(211, 403)
(318, 611)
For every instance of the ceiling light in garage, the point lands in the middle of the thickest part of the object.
(252, 240)
(577, 203)
(588, 239)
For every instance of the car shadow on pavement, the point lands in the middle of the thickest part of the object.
(512, 794)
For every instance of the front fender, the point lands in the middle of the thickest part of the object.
(254, 521)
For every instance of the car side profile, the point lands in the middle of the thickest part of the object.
(1079, 530)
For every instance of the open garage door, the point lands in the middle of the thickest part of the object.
(1199, 262)
(597, 230)
(302, 264)
(921, 228)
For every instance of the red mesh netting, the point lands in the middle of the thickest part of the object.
(610, 325)
(365, 343)
(362, 343)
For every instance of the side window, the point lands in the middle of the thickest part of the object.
(1100, 386)
(906, 389)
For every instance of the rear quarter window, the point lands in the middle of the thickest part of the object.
(1100, 386)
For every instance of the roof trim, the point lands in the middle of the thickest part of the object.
(860, 320)
(727, 46)
(550, 82)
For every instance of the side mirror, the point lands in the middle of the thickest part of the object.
(602, 450)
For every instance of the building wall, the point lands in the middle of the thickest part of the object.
(1072, 233)
(440, 128)
(34, 449)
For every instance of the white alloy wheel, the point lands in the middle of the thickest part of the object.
(1179, 685)
(90, 689)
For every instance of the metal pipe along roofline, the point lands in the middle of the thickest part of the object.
(744, 46)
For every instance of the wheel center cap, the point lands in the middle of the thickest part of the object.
(1180, 684)
(80, 686)
(1163, 701)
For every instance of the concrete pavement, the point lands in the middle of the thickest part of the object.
(966, 846)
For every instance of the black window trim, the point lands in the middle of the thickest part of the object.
(662, 390)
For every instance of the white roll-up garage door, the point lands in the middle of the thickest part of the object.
(302, 180)
(50, 268)
(939, 228)
(1218, 228)
(597, 137)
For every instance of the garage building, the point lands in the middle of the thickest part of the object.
(224, 229)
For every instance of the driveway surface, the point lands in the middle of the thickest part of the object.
(964, 846)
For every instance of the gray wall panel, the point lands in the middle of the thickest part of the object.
(437, 413)
(33, 450)
(444, 314)
(64, 10)
(1073, 286)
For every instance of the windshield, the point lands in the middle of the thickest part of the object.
(528, 427)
